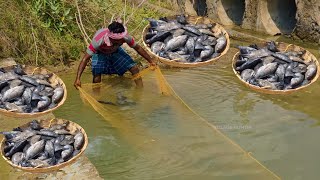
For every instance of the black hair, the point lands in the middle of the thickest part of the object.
(116, 27)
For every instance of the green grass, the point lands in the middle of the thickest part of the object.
(24, 35)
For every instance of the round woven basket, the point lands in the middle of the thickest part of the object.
(217, 29)
(283, 47)
(72, 127)
(54, 80)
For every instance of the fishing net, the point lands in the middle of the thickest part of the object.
(173, 140)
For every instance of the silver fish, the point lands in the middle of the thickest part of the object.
(190, 45)
(158, 46)
(58, 94)
(78, 140)
(49, 148)
(311, 71)
(247, 74)
(207, 52)
(29, 80)
(17, 158)
(35, 149)
(67, 153)
(15, 83)
(44, 103)
(297, 80)
(221, 44)
(13, 93)
(26, 96)
(176, 42)
(266, 70)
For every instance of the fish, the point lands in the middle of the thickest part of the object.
(15, 83)
(190, 44)
(13, 93)
(23, 136)
(43, 82)
(311, 71)
(206, 31)
(301, 68)
(49, 148)
(206, 53)
(266, 70)
(250, 64)
(44, 103)
(261, 53)
(296, 80)
(221, 44)
(8, 76)
(69, 139)
(176, 42)
(271, 45)
(267, 60)
(3, 84)
(182, 19)
(17, 158)
(19, 70)
(34, 139)
(35, 125)
(67, 152)
(47, 132)
(27, 95)
(29, 80)
(35, 149)
(159, 37)
(158, 46)
(168, 26)
(18, 146)
(57, 94)
(192, 29)
(246, 49)
(239, 62)
(177, 32)
(78, 141)
(282, 57)
(280, 72)
(247, 74)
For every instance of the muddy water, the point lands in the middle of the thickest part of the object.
(157, 137)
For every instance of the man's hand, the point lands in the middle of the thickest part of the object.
(152, 63)
(77, 83)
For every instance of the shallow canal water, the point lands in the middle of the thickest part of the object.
(157, 137)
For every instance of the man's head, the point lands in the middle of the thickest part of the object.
(117, 32)
(116, 27)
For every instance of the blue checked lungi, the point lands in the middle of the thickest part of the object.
(116, 63)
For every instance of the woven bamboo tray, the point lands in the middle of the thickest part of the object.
(307, 57)
(72, 127)
(217, 29)
(54, 80)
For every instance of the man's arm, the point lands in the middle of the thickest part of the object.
(81, 68)
(144, 54)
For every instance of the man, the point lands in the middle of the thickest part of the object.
(107, 55)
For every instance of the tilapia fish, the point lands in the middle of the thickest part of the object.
(184, 42)
(22, 93)
(35, 146)
(270, 68)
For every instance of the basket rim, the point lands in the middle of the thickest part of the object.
(30, 115)
(270, 91)
(50, 168)
(182, 64)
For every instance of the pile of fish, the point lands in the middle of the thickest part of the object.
(36, 146)
(180, 41)
(269, 68)
(24, 93)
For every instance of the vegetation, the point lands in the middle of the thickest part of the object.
(45, 32)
